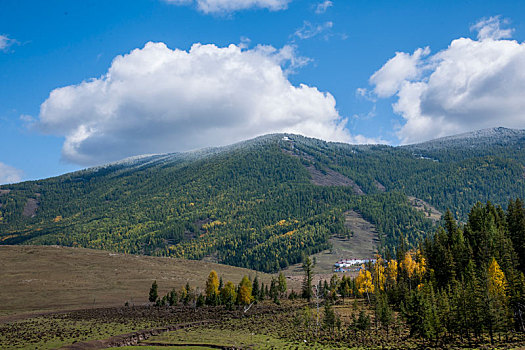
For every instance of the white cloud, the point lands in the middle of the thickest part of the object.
(490, 28)
(403, 66)
(6, 42)
(8, 174)
(228, 6)
(155, 100)
(309, 30)
(323, 6)
(470, 85)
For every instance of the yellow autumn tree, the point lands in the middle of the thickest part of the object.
(497, 284)
(421, 264)
(212, 287)
(364, 282)
(408, 264)
(497, 310)
(392, 272)
(245, 291)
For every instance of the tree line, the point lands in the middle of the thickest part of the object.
(228, 294)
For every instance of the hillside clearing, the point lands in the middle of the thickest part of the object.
(429, 211)
(361, 245)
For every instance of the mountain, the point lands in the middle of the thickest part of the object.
(266, 202)
(481, 139)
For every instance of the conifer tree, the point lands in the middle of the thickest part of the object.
(329, 318)
(228, 295)
(255, 289)
(172, 297)
(383, 311)
(307, 281)
(281, 286)
(262, 294)
(274, 291)
(153, 292)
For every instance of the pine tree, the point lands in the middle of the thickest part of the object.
(383, 311)
(307, 282)
(274, 291)
(516, 226)
(255, 289)
(329, 318)
(228, 295)
(282, 287)
(172, 297)
(262, 293)
(153, 292)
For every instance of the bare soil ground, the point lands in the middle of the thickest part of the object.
(329, 177)
(421, 205)
(37, 279)
(30, 208)
(362, 245)
(380, 186)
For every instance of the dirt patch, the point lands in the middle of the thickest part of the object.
(325, 176)
(329, 177)
(4, 192)
(379, 186)
(30, 208)
(365, 239)
(422, 206)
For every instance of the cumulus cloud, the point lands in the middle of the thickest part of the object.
(403, 66)
(228, 6)
(8, 174)
(472, 84)
(490, 28)
(309, 30)
(323, 6)
(156, 100)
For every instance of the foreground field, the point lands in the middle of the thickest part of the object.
(291, 325)
(44, 278)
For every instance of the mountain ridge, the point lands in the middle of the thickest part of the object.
(261, 203)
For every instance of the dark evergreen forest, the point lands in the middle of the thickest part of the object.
(256, 204)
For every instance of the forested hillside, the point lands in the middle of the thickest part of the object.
(263, 203)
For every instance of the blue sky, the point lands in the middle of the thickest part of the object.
(224, 95)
